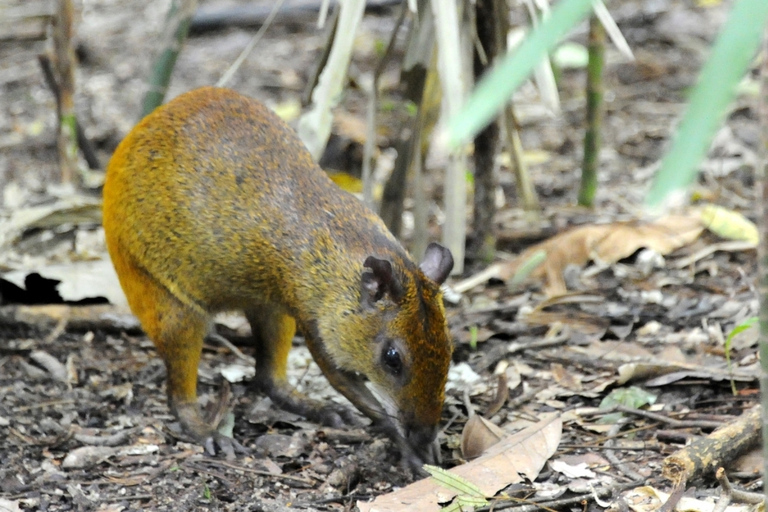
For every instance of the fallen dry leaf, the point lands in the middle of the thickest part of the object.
(524, 453)
(607, 243)
(478, 435)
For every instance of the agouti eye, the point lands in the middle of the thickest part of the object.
(392, 361)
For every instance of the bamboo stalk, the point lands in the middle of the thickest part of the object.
(65, 72)
(486, 142)
(594, 113)
(762, 250)
(177, 23)
(450, 68)
(525, 187)
(83, 143)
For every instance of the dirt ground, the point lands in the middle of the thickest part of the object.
(84, 424)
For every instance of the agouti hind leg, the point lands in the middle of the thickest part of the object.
(177, 331)
(273, 332)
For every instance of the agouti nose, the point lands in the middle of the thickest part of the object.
(425, 446)
(420, 437)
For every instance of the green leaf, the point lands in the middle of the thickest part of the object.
(453, 482)
(528, 266)
(732, 53)
(496, 87)
(632, 397)
(464, 504)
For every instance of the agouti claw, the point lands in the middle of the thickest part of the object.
(195, 427)
(334, 416)
(226, 445)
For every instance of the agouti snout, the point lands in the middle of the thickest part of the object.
(212, 203)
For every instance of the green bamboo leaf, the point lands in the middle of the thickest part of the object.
(454, 482)
(464, 504)
(733, 51)
(527, 268)
(495, 88)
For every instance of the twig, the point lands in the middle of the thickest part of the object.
(197, 469)
(581, 499)
(322, 59)
(737, 494)
(630, 473)
(370, 135)
(231, 465)
(672, 422)
(224, 342)
(250, 46)
(674, 497)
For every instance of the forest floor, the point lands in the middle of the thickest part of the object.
(84, 424)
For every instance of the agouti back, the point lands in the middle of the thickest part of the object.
(212, 203)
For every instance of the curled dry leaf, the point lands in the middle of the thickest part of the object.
(478, 435)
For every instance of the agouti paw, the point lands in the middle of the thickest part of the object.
(219, 443)
(335, 416)
(194, 426)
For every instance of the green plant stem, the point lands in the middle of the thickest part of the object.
(176, 29)
(592, 138)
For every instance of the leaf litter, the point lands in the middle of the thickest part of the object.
(582, 306)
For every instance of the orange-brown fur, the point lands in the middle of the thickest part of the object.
(212, 203)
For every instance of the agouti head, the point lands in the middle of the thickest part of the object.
(402, 316)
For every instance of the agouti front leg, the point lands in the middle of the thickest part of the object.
(273, 331)
(177, 331)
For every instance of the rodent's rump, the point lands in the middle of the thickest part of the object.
(224, 171)
(212, 203)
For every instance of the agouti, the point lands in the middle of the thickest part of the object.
(212, 203)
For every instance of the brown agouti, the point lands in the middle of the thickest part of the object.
(212, 203)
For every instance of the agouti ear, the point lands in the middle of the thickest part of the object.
(437, 263)
(380, 280)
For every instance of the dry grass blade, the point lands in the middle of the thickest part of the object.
(315, 125)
